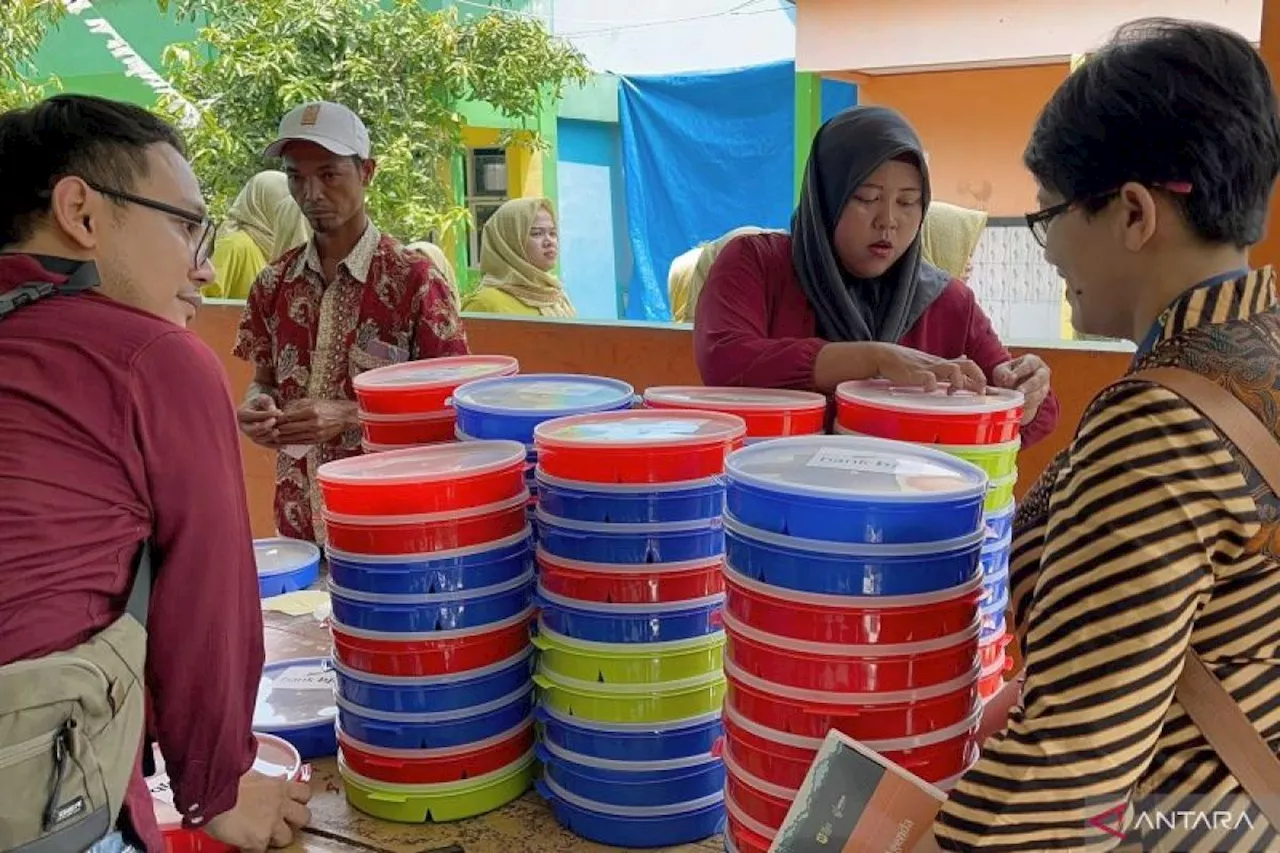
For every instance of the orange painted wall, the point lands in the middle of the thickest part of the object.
(974, 125)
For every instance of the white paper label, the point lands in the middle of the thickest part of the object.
(160, 788)
(303, 678)
(846, 460)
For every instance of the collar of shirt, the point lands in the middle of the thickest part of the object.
(356, 263)
(1236, 295)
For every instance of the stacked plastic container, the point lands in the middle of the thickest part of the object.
(983, 429)
(285, 565)
(407, 405)
(852, 587)
(431, 581)
(767, 412)
(631, 596)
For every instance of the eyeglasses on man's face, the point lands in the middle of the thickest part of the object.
(203, 226)
(1040, 220)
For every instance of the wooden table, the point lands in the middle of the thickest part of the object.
(524, 826)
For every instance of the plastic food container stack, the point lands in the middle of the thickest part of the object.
(431, 582)
(510, 408)
(852, 583)
(630, 639)
(407, 405)
(768, 412)
(983, 429)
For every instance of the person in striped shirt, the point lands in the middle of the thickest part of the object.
(1150, 533)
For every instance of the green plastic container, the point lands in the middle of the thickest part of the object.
(998, 460)
(657, 702)
(440, 803)
(1000, 493)
(629, 663)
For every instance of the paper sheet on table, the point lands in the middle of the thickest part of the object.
(301, 603)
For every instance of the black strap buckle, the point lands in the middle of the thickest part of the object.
(23, 295)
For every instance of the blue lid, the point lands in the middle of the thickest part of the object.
(545, 394)
(281, 556)
(295, 694)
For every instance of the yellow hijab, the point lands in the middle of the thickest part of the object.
(291, 228)
(439, 259)
(505, 265)
(950, 236)
(690, 271)
(254, 209)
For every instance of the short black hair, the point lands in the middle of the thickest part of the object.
(1167, 101)
(100, 140)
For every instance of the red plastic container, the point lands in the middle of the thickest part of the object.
(424, 479)
(991, 680)
(638, 446)
(992, 653)
(760, 801)
(851, 669)
(419, 387)
(438, 653)
(878, 408)
(745, 834)
(847, 619)
(768, 412)
(407, 430)
(436, 766)
(862, 716)
(425, 534)
(649, 583)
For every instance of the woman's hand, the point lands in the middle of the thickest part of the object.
(1028, 374)
(905, 366)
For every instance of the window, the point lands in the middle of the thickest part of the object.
(486, 191)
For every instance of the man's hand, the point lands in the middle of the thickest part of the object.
(268, 812)
(258, 416)
(1028, 374)
(905, 366)
(315, 421)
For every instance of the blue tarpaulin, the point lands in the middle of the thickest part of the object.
(704, 154)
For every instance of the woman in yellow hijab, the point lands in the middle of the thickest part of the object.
(689, 272)
(438, 259)
(245, 239)
(518, 250)
(950, 236)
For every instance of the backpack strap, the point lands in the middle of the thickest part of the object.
(82, 276)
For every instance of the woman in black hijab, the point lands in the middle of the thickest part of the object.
(846, 294)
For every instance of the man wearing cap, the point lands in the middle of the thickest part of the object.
(350, 299)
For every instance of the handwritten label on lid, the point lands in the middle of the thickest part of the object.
(848, 460)
(304, 678)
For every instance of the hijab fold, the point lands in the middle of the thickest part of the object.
(506, 266)
(845, 151)
(255, 210)
(950, 236)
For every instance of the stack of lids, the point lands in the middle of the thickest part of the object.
(631, 592)
(510, 408)
(768, 412)
(852, 581)
(276, 759)
(406, 405)
(285, 565)
(984, 429)
(431, 581)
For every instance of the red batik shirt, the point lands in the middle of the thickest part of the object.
(315, 337)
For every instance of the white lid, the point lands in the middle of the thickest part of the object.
(852, 602)
(869, 651)
(404, 637)
(855, 468)
(397, 792)
(883, 394)
(276, 758)
(656, 765)
(525, 535)
(993, 544)
(754, 782)
(608, 528)
(549, 394)
(629, 728)
(445, 416)
(280, 555)
(426, 598)
(448, 516)
(435, 716)
(632, 650)
(547, 558)
(295, 694)
(984, 449)
(641, 428)
(631, 811)
(752, 399)
(435, 463)
(437, 752)
(625, 488)
(1002, 513)
(651, 688)
(656, 609)
(747, 822)
(854, 549)
(431, 373)
(826, 698)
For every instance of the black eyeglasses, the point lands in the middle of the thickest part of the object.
(208, 236)
(1040, 220)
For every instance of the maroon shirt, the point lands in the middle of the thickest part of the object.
(118, 426)
(755, 326)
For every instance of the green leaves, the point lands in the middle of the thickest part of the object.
(23, 24)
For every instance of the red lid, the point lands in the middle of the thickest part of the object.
(651, 429)
(434, 373)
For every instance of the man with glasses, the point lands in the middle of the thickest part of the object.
(118, 429)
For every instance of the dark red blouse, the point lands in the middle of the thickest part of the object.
(755, 327)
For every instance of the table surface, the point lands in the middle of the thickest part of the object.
(523, 826)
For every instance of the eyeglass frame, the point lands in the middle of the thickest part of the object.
(208, 238)
(1045, 216)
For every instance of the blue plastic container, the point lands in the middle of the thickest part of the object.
(596, 542)
(631, 741)
(435, 731)
(295, 703)
(433, 611)
(1000, 523)
(633, 783)
(630, 623)
(435, 694)
(285, 565)
(511, 406)
(854, 490)
(626, 503)
(992, 616)
(838, 568)
(995, 589)
(995, 556)
(444, 571)
(635, 826)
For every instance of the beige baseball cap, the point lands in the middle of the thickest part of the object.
(331, 126)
